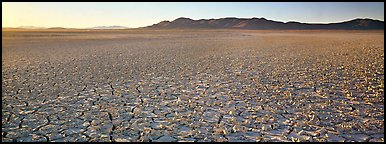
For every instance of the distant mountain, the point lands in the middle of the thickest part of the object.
(264, 24)
(30, 27)
(57, 28)
(109, 27)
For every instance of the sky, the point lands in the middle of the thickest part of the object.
(137, 14)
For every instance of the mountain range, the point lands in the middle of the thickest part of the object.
(30, 27)
(246, 23)
(97, 27)
(109, 27)
(264, 24)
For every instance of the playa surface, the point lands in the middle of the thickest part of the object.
(192, 85)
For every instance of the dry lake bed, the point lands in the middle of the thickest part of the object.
(192, 85)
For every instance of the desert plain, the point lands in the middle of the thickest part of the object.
(192, 85)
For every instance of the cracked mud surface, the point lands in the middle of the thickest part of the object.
(138, 85)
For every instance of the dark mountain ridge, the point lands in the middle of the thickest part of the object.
(264, 24)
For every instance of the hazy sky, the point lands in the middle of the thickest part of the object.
(82, 15)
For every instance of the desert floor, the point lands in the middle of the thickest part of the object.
(192, 85)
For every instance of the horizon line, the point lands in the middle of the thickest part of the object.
(127, 27)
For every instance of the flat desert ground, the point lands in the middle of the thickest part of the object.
(192, 85)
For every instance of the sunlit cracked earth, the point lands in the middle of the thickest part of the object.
(192, 85)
